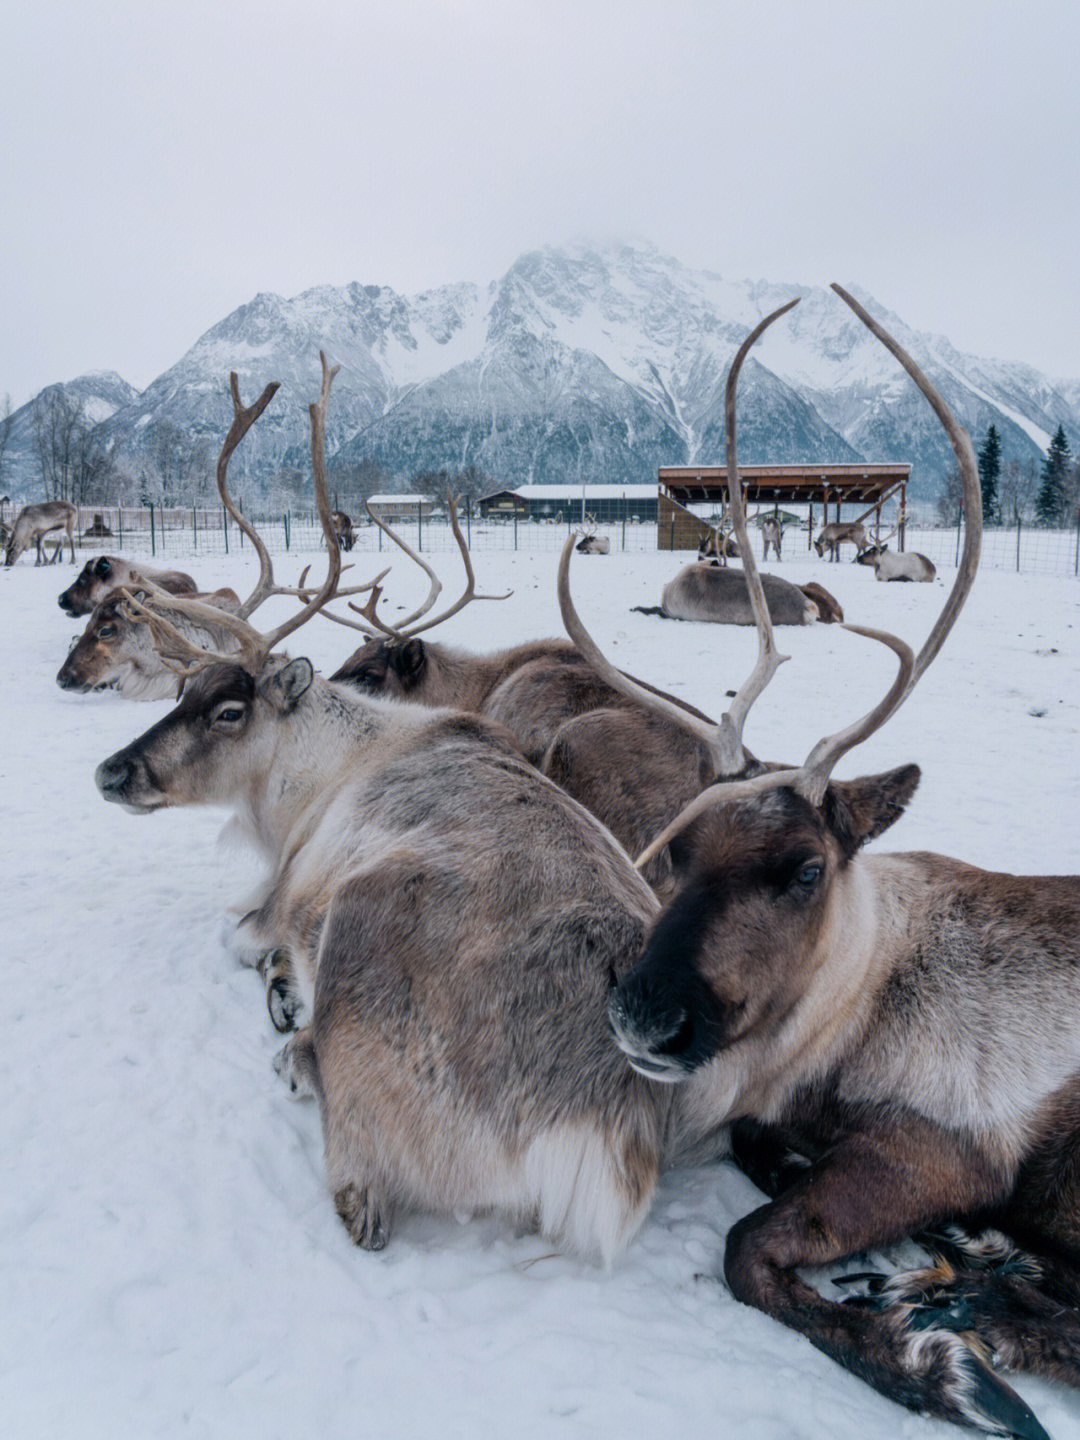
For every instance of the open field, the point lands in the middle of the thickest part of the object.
(170, 1259)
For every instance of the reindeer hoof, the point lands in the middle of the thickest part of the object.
(283, 1004)
(293, 1063)
(360, 1211)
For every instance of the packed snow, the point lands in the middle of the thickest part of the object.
(172, 1265)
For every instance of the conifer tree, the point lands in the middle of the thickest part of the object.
(989, 471)
(1050, 505)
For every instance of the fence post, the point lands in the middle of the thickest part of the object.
(622, 545)
(285, 527)
(225, 527)
(240, 503)
(959, 518)
(468, 521)
(1076, 561)
(419, 524)
(153, 541)
(194, 529)
(120, 527)
(515, 529)
(1018, 542)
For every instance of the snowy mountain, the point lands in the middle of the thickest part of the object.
(584, 363)
(98, 396)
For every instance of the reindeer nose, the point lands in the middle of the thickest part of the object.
(65, 604)
(112, 775)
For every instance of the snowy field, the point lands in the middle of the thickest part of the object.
(172, 1265)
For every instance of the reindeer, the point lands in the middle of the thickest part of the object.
(116, 651)
(34, 521)
(703, 592)
(343, 529)
(100, 577)
(455, 970)
(716, 548)
(772, 534)
(888, 565)
(830, 537)
(590, 542)
(898, 1038)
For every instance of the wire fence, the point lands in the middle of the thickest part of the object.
(184, 533)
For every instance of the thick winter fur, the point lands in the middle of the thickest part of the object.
(909, 1023)
(105, 573)
(888, 565)
(830, 537)
(706, 592)
(34, 521)
(455, 920)
(633, 770)
(116, 650)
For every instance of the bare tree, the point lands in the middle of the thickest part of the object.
(56, 418)
(950, 497)
(5, 433)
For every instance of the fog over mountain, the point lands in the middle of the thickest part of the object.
(579, 363)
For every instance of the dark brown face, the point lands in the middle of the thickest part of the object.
(94, 661)
(385, 667)
(78, 599)
(738, 944)
(870, 554)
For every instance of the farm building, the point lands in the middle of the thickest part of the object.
(607, 504)
(402, 507)
(822, 488)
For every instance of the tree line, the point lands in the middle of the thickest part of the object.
(1047, 495)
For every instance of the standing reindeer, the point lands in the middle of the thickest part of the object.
(830, 537)
(35, 521)
(772, 534)
(343, 529)
(899, 1038)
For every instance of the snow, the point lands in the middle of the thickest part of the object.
(1031, 430)
(170, 1259)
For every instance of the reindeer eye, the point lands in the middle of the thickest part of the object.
(106, 632)
(807, 876)
(229, 715)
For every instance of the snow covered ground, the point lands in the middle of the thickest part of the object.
(170, 1261)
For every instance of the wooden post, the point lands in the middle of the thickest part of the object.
(810, 525)
(902, 525)
(153, 540)
(877, 524)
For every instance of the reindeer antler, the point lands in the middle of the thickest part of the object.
(252, 646)
(369, 621)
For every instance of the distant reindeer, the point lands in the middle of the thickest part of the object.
(97, 529)
(888, 565)
(830, 537)
(105, 573)
(343, 529)
(772, 534)
(717, 548)
(35, 521)
(591, 543)
(898, 1037)
(703, 592)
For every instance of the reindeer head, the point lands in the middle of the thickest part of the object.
(220, 738)
(764, 865)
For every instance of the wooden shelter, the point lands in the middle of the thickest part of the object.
(869, 486)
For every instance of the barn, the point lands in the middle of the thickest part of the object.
(684, 491)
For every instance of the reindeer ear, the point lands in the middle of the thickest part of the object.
(859, 810)
(285, 686)
(408, 660)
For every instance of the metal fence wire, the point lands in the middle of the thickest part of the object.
(177, 533)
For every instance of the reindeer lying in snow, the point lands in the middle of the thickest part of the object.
(100, 577)
(890, 566)
(908, 1025)
(453, 918)
(706, 592)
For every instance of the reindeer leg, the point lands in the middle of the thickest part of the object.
(282, 997)
(871, 1189)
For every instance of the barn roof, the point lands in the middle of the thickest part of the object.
(775, 484)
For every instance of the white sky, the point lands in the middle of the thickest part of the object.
(166, 163)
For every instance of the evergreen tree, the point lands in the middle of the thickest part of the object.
(1050, 506)
(989, 471)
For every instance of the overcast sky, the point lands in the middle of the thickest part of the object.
(166, 163)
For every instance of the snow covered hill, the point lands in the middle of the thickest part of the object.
(583, 363)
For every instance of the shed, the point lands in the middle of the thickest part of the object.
(864, 485)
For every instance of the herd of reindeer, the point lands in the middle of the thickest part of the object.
(497, 1009)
